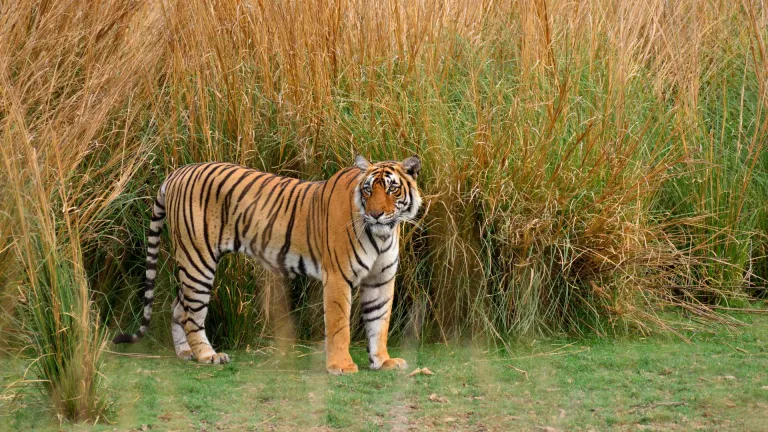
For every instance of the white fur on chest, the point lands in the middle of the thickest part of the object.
(385, 263)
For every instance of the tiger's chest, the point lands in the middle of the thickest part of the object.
(384, 267)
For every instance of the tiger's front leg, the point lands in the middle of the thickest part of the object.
(337, 302)
(376, 302)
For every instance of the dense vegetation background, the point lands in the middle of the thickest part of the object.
(588, 166)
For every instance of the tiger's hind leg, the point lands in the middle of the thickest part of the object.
(195, 294)
(183, 351)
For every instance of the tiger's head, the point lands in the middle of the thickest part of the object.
(387, 193)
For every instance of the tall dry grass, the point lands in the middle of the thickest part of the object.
(73, 99)
(588, 165)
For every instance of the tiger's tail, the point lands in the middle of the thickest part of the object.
(153, 247)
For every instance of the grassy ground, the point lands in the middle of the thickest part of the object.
(718, 382)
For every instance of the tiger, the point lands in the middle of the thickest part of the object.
(343, 231)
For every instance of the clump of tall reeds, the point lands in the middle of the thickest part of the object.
(54, 314)
(70, 80)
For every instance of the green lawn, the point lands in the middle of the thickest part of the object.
(719, 382)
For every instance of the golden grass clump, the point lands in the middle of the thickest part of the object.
(71, 100)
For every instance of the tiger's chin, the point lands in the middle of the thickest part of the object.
(382, 230)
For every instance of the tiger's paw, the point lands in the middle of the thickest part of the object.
(219, 358)
(394, 364)
(348, 368)
(185, 355)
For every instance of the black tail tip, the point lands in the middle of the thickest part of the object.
(124, 338)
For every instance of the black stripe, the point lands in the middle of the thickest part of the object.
(371, 239)
(354, 230)
(336, 179)
(368, 307)
(410, 198)
(172, 201)
(237, 233)
(386, 267)
(367, 320)
(391, 242)
(304, 195)
(354, 250)
(192, 300)
(284, 183)
(352, 179)
(340, 329)
(309, 223)
(250, 210)
(205, 192)
(349, 282)
(224, 181)
(192, 261)
(226, 207)
(266, 233)
(190, 319)
(206, 231)
(224, 214)
(183, 248)
(379, 285)
(196, 309)
(288, 232)
(185, 205)
(259, 190)
(207, 182)
(251, 183)
(196, 280)
(194, 290)
(302, 268)
(153, 233)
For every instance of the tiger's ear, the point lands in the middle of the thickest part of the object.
(412, 166)
(362, 162)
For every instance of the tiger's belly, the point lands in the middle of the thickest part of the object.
(368, 266)
(292, 264)
(289, 263)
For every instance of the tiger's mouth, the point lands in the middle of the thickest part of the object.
(391, 224)
(382, 228)
(387, 221)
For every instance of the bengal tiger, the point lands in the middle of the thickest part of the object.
(343, 231)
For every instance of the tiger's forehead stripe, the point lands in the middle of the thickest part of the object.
(384, 174)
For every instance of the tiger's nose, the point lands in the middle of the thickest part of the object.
(375, 214)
